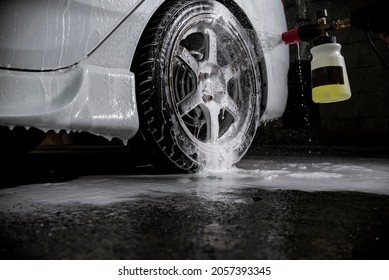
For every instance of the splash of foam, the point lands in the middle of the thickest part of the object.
(217, 158)
(269, 41)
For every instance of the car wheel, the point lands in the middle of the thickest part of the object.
(198, 76)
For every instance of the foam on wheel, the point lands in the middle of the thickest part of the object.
(198, 73)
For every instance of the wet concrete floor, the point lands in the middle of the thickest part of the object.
(277, 204)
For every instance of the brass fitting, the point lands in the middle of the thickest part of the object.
(325, 26)
(340, 23)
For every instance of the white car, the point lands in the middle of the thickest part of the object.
(195, 77)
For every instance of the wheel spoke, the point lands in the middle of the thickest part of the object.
(199, 127)
(231, 107)
(186, 57)
(211, 113)
(232, 70)
(214, 127)
(210, 46)
(189, 103)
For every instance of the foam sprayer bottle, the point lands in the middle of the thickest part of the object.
(328, 69)
(329, 76)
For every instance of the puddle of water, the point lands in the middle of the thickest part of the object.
(370, 176)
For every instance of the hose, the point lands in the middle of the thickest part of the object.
(367, 34)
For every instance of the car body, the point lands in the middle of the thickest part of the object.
(67, 64)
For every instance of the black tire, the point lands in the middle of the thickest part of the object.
(198, 85)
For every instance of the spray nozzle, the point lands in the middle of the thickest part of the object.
(308, 32)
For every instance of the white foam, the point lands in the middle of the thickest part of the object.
(369, 176)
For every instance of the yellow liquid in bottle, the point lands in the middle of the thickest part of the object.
(330, 93)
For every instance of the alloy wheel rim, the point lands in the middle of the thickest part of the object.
(212, 81)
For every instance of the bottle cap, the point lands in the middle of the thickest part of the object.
(321, 13)
(324, 40)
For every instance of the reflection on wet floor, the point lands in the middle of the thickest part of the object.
(287, 173)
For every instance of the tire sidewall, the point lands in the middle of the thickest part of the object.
(173, 130)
